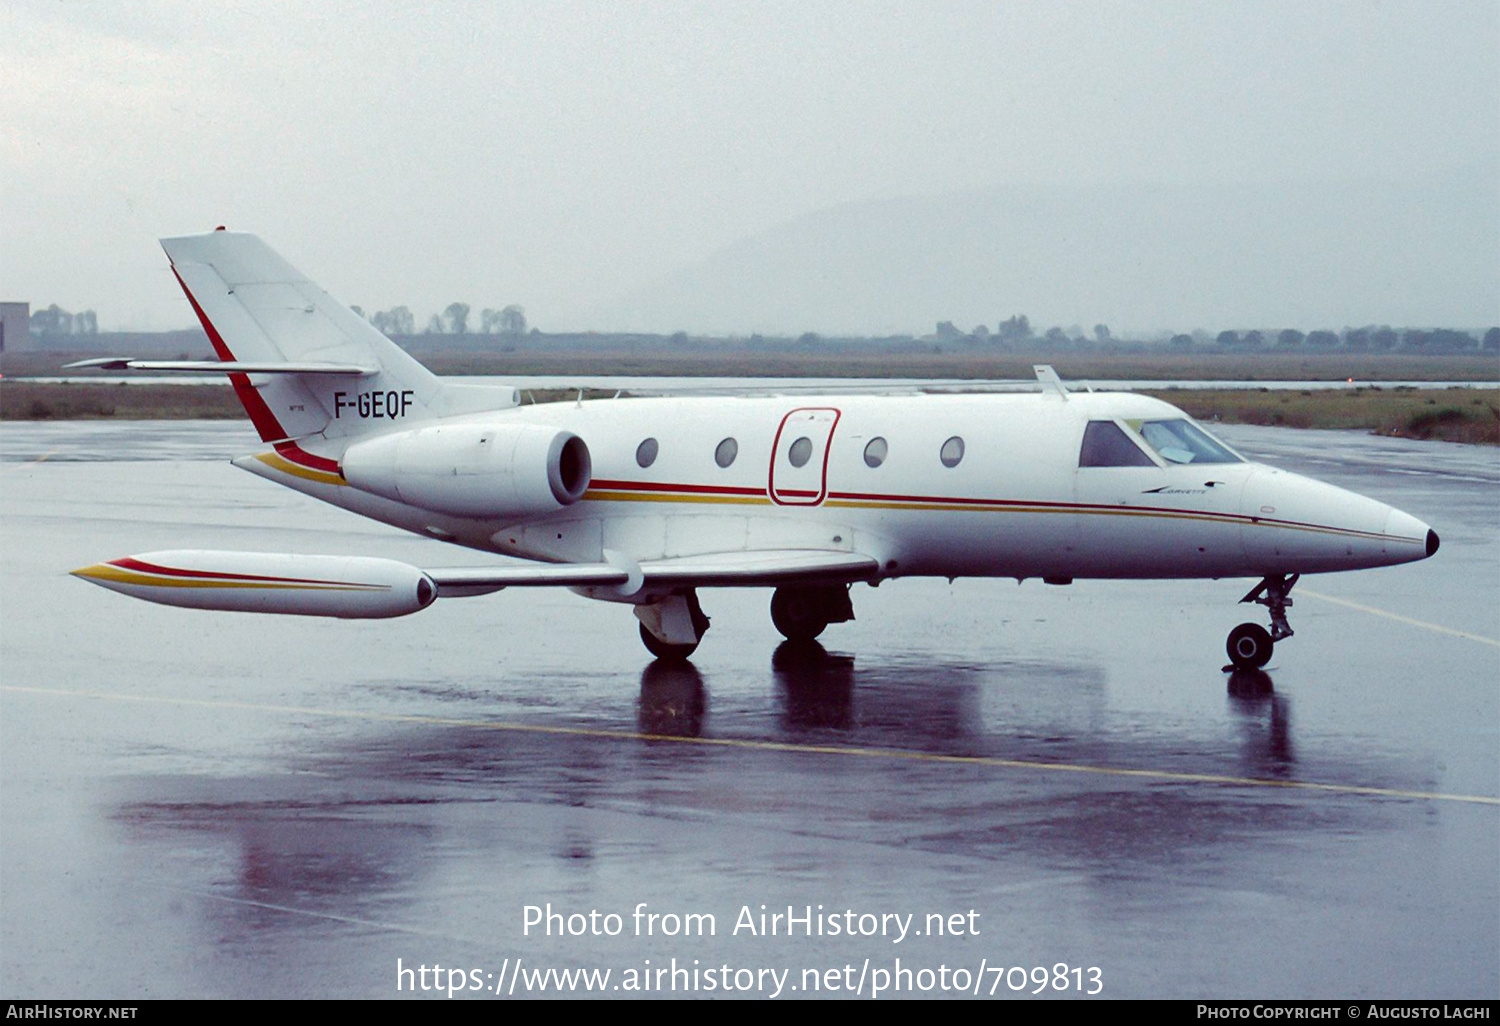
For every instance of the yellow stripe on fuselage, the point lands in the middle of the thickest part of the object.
(1233, 519)
(277, 462)
(612, 496)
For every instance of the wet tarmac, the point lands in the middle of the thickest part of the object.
(206, 804)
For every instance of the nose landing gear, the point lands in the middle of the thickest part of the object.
(1250, 645)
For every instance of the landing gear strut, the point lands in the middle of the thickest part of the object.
(671, 627)
(802, 613)
(1250, 645)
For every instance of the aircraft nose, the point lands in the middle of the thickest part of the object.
(1405, 533)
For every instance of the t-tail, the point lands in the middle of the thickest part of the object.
(311, 374)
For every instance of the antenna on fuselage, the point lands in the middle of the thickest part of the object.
(1049, 379)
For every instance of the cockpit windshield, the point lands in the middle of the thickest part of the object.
(1105, 444)
(1182, 441)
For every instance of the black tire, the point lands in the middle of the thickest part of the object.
(665, 650)
(1249, 646)
(797, 614)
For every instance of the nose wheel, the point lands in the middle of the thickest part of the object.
(1250, 645)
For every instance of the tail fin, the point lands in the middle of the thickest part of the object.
(257, 308)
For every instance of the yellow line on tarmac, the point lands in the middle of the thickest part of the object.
(1398, 617)
(769, 746)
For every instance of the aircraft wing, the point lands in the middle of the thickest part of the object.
(720, 569)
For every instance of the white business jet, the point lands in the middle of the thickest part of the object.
(644, 501)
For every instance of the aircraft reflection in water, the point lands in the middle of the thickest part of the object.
(1266, 718)
(674, 702)
(815, 689)
(814, 686)
(645, 501)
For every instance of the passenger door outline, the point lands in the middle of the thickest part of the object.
(797, 487)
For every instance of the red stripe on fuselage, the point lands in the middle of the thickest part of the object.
(654, 486)
(294, 453)
(1242, 518)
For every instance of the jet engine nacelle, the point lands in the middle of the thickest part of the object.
(352, 587)
(474, 470)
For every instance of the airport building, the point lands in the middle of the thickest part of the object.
(15, 327)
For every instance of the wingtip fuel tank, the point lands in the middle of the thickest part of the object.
(350, 587)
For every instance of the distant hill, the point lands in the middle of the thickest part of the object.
(1137, 257)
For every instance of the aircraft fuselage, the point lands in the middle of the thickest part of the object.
(871, 474)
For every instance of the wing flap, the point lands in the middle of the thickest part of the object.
(772, 567)
(461, 581)
(719, 569)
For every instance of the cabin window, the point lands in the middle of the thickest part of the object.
(1182, 441)
(952, 451)
(645, 453)
(800, 452)
(1105, 444)
(726, 452)
(875, 452)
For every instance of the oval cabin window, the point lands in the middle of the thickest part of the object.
(875, 452)
(952, 451)
(726, 452)
(645, 453)
(800, 452)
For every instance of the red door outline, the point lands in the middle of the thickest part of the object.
(802, 497)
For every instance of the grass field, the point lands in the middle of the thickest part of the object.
(1469, 415)
(1451, 414)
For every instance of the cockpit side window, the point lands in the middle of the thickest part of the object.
(1106, 445)
(1182, 441)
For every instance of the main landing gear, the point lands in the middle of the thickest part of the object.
(671, 627)
(1250, 645)
(802, 613)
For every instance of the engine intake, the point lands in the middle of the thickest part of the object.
(474, 470)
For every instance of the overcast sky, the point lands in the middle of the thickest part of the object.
(560, 155)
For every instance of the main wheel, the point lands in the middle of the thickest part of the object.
(798, 613)
(665, 650)
(1250, 646)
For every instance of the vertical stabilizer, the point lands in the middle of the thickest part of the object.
(255, 307)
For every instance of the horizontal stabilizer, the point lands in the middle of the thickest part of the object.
(222, 366)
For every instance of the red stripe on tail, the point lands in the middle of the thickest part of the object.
(260, 414)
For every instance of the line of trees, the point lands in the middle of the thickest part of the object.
(454, 320)
(1016, 332)
(1367, 339)
(54, 321)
